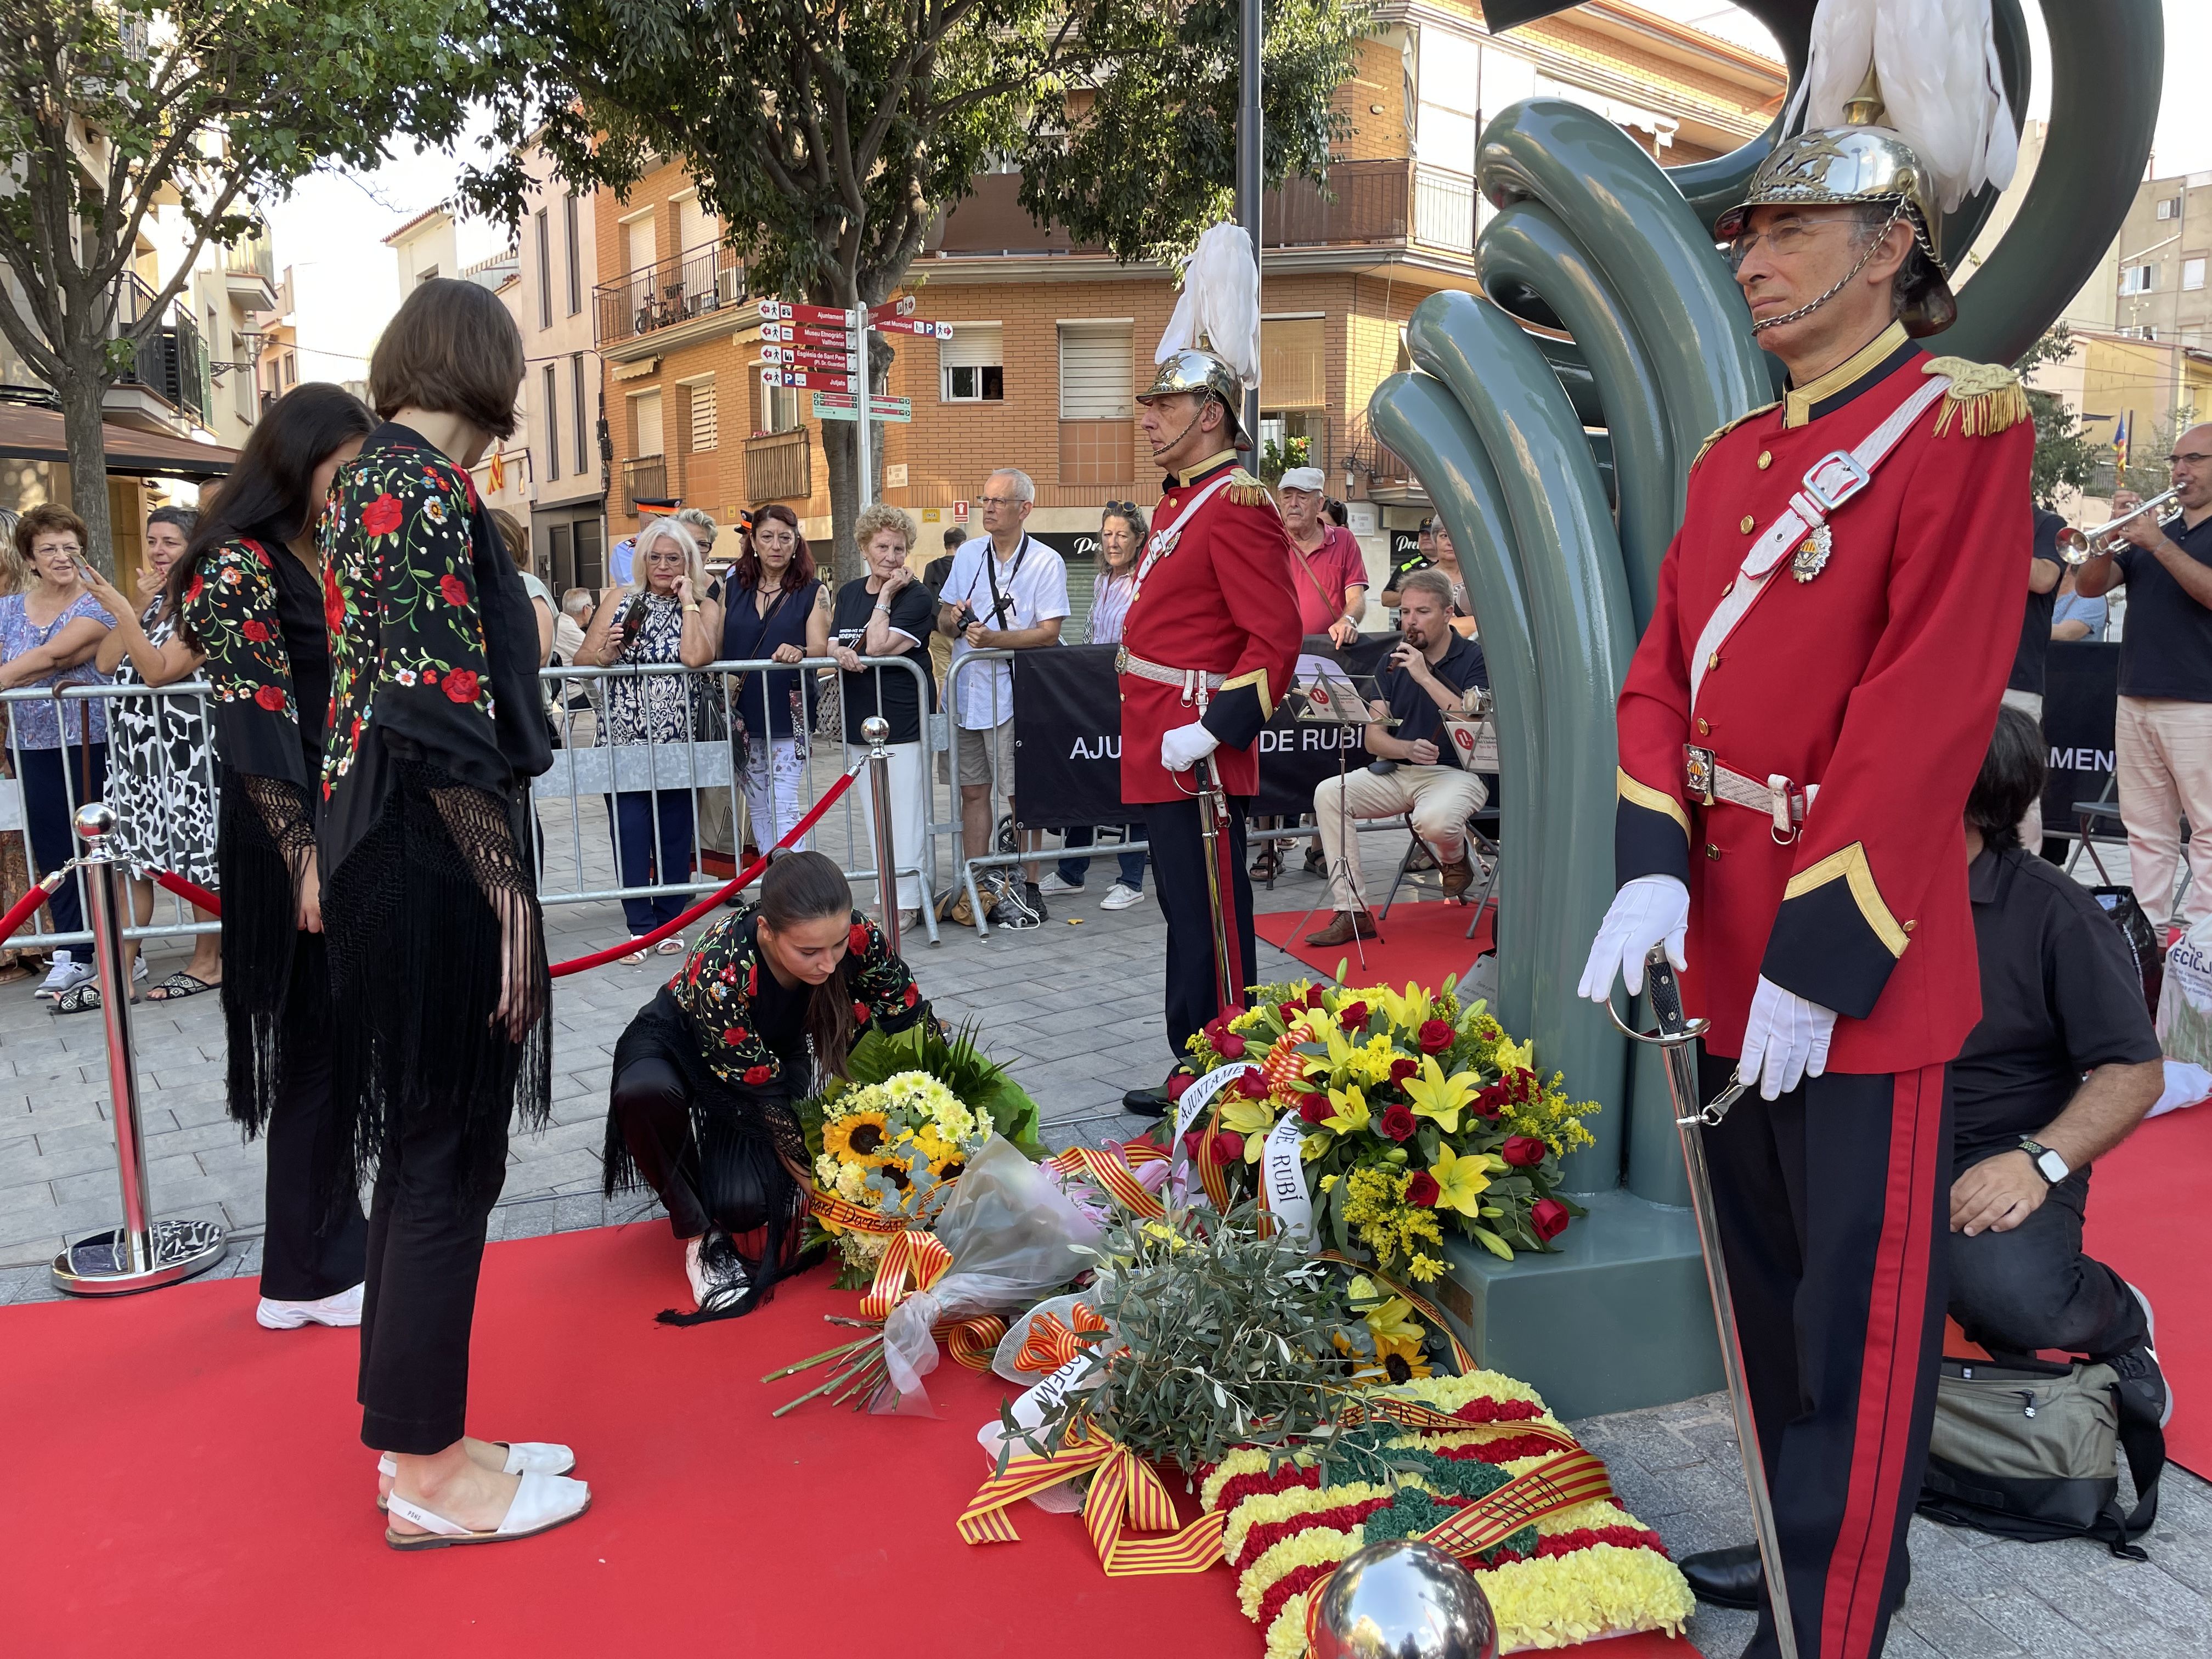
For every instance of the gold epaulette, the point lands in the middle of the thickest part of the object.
(1729, 428)
(1983, 397)
(1246, 491)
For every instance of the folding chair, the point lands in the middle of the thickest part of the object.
(1482, 845)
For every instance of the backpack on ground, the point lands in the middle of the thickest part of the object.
(2030, 1449)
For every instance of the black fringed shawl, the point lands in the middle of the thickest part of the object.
(435, 730)
(254, 612)
(754, 1172)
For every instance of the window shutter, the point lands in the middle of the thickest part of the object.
(1094, 371)
(703, 414)
(973, 345)
(645, 413)
(1293, 363)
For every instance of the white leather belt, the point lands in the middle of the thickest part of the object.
(1779, 798)
(1193, 681)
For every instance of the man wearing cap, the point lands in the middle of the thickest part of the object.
(1328, 573)
(1798, 731)
(1210, 641)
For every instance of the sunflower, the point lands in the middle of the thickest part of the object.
(857, 1139)
(1402, 1358)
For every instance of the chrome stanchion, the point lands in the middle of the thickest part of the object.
(875, 732)
(142, 1254)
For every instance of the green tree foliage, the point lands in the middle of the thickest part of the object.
(2065, 459)
(112, 108)
(828, 137)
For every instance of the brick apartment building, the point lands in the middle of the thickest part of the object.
(1051, 341)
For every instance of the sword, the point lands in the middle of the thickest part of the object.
(1676, 1038)
(1212, 816)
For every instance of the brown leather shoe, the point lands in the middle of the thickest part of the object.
(1458, 876)
(1344, 927)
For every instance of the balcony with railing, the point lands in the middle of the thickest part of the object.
(171, 360)
(654, 477)
(666, 295)
(779, 466)
(249, 268)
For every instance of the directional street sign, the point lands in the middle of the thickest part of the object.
(811, 334)
(785, 311)
(842, 362)
(841, 406)
(901, 306)
(913, 326)
(812, 378)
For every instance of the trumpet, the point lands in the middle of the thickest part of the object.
(2078, 548)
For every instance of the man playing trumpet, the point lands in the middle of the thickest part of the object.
(2164, 731)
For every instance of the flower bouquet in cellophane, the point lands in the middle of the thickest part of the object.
(1416, 1115)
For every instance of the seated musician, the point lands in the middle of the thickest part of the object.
(761, 1014)
(1418, 768)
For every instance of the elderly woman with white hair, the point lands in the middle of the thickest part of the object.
(657, 619)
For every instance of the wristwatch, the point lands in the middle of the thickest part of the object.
(2048, 1163)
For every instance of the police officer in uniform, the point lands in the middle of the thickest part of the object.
(1798, 732)
(1210, 640)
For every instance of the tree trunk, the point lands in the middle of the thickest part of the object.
(80, 391)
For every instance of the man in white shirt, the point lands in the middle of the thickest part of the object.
(1007, 591)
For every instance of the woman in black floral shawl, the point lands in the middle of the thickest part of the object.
(763, 1013)
(437, 946)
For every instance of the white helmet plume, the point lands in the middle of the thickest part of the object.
(1220, 299)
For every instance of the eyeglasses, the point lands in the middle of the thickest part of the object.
(1002, 501)
(45, 550)
(1782, 240)
(2194, 457)
(670, 557)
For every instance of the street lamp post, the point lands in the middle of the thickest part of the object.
(1250, 146)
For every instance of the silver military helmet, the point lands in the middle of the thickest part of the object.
(1193, 370)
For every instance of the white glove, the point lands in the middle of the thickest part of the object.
(1185, 746)
(1646, 912)
(1785, 1041)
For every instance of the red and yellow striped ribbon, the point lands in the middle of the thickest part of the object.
(922, 1259)
(834, 1213)
(1115, 1173)
(1126, 1493)
(1047, 1344)
(1413, 1415)
(1421, 1304)
(1558, 1483)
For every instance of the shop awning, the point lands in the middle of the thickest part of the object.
(30, 434)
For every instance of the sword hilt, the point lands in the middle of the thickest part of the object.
(1665, 991)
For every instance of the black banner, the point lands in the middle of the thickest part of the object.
(1067, 724)
(2080, 704)
(1072, 545)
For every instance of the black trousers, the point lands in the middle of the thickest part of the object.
(426, 1236)
(306, 1257)
(1194, 994)
(651, 1104)
(1833, 1203)
(2031, 1288)
(52, 779)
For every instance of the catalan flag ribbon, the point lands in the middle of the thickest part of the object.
(1126, 1494)
(1115, 1172)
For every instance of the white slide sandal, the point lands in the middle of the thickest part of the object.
(542, 1503)
(523, 1457)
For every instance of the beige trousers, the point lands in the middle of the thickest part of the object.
(1440, 798)
(2164, 762)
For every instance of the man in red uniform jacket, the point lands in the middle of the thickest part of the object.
(1798, 732)
(1208, 648)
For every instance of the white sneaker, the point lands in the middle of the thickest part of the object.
(1119, 896)
(1053, 884)
(344, 1308)
(63, 974)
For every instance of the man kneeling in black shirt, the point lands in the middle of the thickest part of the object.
(2063, 1065)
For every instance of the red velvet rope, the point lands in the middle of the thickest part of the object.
(27, 906)
(208, 901)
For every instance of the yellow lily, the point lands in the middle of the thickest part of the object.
(1433, 1095)
(1251, 1119)
(1351, 1115)
(1389, 1317)
(1460, 1181)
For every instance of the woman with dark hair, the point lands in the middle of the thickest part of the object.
(763, 1015)
(437, 948)
(161, 769)
(772, 607)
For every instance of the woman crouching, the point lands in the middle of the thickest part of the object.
(761, 1015)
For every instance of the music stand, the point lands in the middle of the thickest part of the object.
(1323, 694)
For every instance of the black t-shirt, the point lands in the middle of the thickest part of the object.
(2035, 626)
(2166, 647)
(914, 612)
(1459, 668)
(935, 574)
(2059, 997)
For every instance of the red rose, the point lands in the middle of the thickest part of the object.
(1253, 1085)
(270, 698)
(1228, 1147)
(861, 1012)
(333, 603)
(1524, 1151)
(256, 631)
(912, 996)
(734, 1036)
(354, 736)
(757, 1074)
(460, 685)
(1399, 1124)
(1353, 1017)
(1549, 1218)
(452, 589)
(193, 592)
(1403, 1067)
(1436, 1035)
(1192, 1141)
(1423, 1190)
(1216, 1028)
(857, 941)
(1316, 1108)
(1231, 1046)
(1179, 1085)
(381, 516)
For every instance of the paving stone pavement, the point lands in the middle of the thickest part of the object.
(1075, 1011)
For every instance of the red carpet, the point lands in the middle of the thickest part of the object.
(1424, 943)
(2146, 1220)
(180, 1480)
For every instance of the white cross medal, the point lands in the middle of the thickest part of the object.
(1812, 557)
